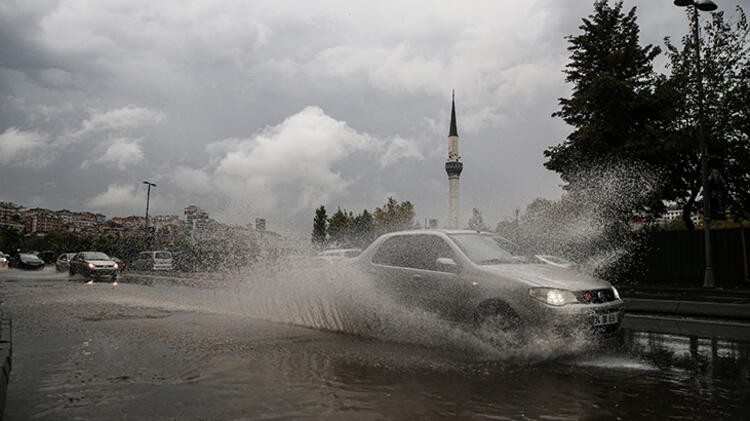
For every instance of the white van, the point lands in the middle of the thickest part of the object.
(153, 260)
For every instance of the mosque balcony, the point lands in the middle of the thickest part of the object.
(454, 168)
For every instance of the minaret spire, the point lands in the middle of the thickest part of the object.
(453, 167)
(453, 130)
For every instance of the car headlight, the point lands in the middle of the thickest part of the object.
(91, 265)
(116, 266)
(552, 296)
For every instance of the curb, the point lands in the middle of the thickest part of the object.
(676, 325)
(6, 353)
(688, 308)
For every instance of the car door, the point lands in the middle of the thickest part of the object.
(408, 266)
(75, 262)
(438, 285)
(389, 269)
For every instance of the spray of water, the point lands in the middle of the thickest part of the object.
(591, 223)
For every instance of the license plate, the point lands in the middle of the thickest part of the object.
(603, 319)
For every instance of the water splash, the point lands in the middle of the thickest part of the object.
(592, 222)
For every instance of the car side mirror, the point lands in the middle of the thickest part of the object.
(447, 264)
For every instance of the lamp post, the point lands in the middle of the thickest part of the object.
(148, 197)
(705, 6)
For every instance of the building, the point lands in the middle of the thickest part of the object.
(86, 222)
(66, 217)
(673, 213)
(196, 218)
(453, 168)
(41, 221)
(11, 216)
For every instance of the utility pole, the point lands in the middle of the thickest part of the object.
(706, 6)
(149, 235)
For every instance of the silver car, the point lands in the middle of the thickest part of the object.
(473, 277)
(63, 261)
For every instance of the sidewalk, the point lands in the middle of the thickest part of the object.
(689, 311)
(696, 302)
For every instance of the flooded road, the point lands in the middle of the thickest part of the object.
(133, 351)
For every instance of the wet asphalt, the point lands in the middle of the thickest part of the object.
(140, 351)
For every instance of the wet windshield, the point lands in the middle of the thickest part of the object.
(95, 256)
(486, 249)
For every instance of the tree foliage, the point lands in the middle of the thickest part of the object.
(320, 224)
(725, 71)
(476, 222)
(394, 216)
(622, 111)
(345, 229)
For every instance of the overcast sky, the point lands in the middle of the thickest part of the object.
(270, 108)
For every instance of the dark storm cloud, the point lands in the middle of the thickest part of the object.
(272, 108)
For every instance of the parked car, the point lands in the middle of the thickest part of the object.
(48, 256)
(3, 259)
(93, 264)
(63, 261)
(474, 278)
(336, 254)
(26, 261)
(152, 260)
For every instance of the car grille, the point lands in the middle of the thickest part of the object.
(595, 296)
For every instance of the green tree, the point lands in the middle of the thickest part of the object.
(725, 65)
(363, 230)
(476, 222)
(340, 227)
(320, 222)
(394, 216)
(613, 109)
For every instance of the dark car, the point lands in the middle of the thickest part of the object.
(475, 278)
(48, 256)
(26, 261)
(93, 264)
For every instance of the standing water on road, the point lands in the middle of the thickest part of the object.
(168, 351)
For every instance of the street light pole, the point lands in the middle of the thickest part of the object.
(148, 197)
(706, 6)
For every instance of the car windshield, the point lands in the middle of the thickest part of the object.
(163, 255)
(28, 256)
(95, 255)
(485, 249)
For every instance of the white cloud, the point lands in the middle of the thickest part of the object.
(399, 148)
(122, 153)
(291, 167)
(192, 180)
(117, 119)
(23, 148)
(118, 197)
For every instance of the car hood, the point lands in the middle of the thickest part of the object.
(101, 262)
(547, 276)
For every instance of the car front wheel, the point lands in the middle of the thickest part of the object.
(498, 324)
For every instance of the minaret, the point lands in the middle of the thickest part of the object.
(453, 167)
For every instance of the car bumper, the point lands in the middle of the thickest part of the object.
(605, 318)
(101, 273)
